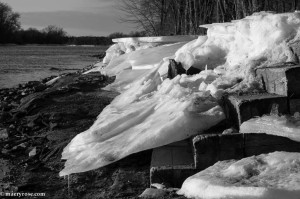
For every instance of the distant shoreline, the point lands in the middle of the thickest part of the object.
(3, 45)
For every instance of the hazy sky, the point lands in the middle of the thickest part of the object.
(77, 17)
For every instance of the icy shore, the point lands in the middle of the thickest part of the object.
(153, 111)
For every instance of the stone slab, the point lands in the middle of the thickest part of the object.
(172, 164)
(240, 108)
(209, 149)
(295, 47)
(281, 79)
(259, 143)
(294, 106)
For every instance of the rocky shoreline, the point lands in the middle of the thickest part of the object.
(38, 120)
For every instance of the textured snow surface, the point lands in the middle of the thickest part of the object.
(261, 37)
(150, 58)
(286, 126)
(148, 115)
(153, 111)
(124, 80)
(267, 176)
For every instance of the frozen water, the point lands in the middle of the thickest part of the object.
(149, 114)
(267, 176)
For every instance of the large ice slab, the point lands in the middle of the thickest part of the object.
(148, 115)
(267, 176)
(286, 126)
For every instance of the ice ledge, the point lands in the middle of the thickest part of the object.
(161, 39)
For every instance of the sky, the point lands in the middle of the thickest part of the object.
(76, 17)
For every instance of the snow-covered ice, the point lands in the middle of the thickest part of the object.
(149, 114)
(286, 126)
(150, 58)
(153, 111)
(124, 79)
(267, 176)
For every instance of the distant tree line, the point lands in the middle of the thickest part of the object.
(11, 32)
(177, 17)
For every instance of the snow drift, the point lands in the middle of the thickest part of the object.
(267, 176)
(153, 111)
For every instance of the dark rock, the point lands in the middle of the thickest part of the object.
(175, 69)
(193, 71)
(3, 134)
(40, 88)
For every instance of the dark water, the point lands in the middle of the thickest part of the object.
(20, 64)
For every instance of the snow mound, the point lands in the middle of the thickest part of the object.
(267, 176)
(149, 114)
(261, 37)
(286, 126)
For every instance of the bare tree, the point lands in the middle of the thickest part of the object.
(9, 23)
(165, 17)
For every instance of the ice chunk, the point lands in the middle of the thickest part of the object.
(117, 65)
(267, 176)
(150, 58)
(141, 60)
(184, 54)
(113, 51)
(148, 115)
(286, 126)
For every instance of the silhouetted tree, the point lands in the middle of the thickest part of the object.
(54, 35)
(9, 23)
